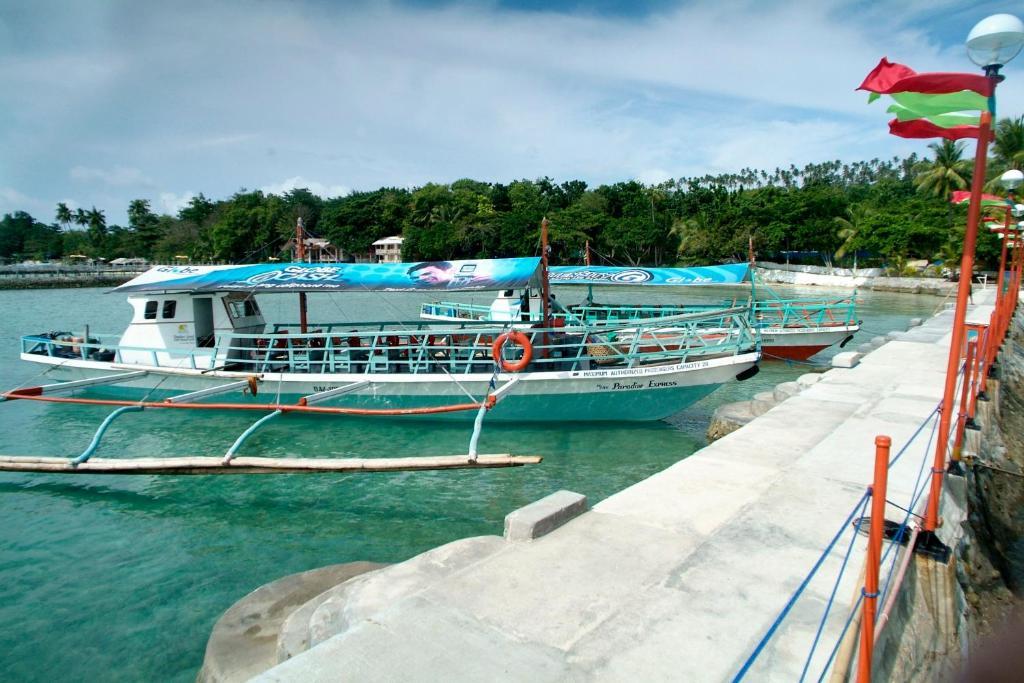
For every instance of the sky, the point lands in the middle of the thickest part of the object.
(102, 102)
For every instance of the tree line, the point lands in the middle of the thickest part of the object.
(880, 211)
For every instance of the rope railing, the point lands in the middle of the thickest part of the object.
(920, 486)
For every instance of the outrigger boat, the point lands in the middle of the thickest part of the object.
(792, 329)
(198, 332)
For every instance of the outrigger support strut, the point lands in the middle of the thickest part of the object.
(249, 432)
(486, 405)
(87, 453)
(304, 401)
(211, 391)
(62, 387)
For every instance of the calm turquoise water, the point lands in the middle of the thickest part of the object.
(121, 578)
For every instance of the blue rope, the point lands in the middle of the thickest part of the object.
(913, 436)
(917, 491)
(796, 594)
(835, 587)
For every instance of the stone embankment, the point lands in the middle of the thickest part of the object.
(729, 417)
(64, 278)
(863, 278)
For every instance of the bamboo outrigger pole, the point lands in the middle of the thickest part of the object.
(251, 465)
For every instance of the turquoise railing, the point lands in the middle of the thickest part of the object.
(766, 312)
(423, 347)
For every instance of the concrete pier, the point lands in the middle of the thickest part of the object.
(675, 578)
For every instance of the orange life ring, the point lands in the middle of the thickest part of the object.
(519, 339)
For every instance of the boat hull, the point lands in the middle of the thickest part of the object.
(801, 343)
(619, 394)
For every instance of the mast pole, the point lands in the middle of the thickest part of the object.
(300, 256)
(545, 284)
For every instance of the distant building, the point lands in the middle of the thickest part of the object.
(129, 262)
(388, 250)
(318, 250)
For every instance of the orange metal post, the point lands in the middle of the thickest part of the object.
(931, 520)
(978, 373)
(961, 422)
(870, 603)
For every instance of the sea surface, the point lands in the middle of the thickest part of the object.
(123, 577)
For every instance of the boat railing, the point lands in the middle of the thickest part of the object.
(452, 309)
(613, 313)
(107, 348)
(805, 312)
(423, 348)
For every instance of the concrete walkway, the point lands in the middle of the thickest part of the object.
(675, 578)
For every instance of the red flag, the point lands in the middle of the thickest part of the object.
(884, 75)
(888, 78)
(923, 128)
(961, 196)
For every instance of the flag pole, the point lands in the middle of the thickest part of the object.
(931, 520)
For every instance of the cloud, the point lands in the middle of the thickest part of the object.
(171, 203)
(363, 95)
(298, 182)
(12, 200)
(119, 176)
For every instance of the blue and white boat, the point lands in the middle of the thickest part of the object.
(792, 329)
(198, 332)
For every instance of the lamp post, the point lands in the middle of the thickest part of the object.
(992, 43)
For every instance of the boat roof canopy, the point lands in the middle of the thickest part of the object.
(731, 274)
(474, 275)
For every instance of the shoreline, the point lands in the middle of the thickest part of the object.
(866, 278)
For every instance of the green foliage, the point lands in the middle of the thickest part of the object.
(892, 210)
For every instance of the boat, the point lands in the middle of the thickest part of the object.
(790, 329)
(198, 332)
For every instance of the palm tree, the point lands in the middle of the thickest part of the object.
(949, 171)
(1007, 151)
(97, 223)
(1008, 148)
(849, 227)
(64, 215)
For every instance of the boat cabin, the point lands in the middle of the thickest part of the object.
(184, 324)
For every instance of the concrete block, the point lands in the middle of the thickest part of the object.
(785, 390)
(878, 341)
(808, 379)
(762, 403)
(865, 348)
(847, 359)
(729, 417)
(243, 641)
(893, 335)
(544, 516)
(914, 322)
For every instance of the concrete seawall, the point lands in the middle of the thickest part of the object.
(867, 278)
(674, 578)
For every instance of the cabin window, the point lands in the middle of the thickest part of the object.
(170, 306)
(150, 313)
(242, 308)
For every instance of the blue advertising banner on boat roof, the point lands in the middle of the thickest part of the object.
(731, 274)
(482, 274)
